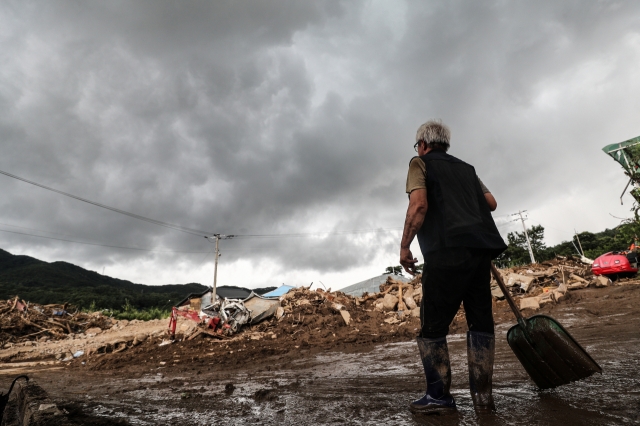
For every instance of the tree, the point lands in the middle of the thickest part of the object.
(398, 270)
(395, 270)
(517, 252)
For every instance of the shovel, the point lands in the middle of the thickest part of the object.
(545, 349)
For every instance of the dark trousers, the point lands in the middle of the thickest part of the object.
(444, 288)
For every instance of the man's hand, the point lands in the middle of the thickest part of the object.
(407, 261)
(415, 216)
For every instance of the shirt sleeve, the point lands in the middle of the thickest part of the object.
(417, 176)
(484, 188)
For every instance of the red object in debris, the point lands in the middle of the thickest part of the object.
(614, 262)
(173, 320)
(213, 323)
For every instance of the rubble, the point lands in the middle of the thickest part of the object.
(529, 303)
(389, 302)
(548, 282)
(22, 321)
(396, 296)
(317, 317)
(346, 317)
(602, 281)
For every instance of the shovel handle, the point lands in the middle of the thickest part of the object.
(506, 293)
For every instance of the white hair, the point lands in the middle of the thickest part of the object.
(435, 134)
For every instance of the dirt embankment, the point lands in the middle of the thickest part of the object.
(311, 322)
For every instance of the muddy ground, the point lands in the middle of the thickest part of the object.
(362, 377)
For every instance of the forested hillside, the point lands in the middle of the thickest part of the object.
(58, 282)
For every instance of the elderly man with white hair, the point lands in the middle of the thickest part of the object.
(450, 212)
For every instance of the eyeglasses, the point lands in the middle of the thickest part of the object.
(416, 146)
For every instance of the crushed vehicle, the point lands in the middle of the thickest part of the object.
(223, 317)
(622, 264)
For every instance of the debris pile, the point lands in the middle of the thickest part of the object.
(396, 296)
(303, 307)
(547, 282)
(323, 316)
(23, 321)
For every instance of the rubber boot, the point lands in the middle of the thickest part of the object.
(481, 349)
(437, 371)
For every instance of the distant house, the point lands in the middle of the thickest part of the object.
(372, 285)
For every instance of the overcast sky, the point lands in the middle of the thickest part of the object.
(281, 117)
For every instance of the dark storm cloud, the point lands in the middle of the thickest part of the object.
(288, 116)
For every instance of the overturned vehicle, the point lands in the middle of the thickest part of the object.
(222, 317)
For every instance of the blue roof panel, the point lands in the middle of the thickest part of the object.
(280, 291)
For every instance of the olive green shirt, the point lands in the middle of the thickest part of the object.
(417, 176)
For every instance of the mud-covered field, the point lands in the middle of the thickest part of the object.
(362, 375)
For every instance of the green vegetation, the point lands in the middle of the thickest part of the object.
(594, 245)
(399, 270)
(128, 312)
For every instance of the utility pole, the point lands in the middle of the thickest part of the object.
(533, 259)
(578, 238)
(215, 268)
(215, 271)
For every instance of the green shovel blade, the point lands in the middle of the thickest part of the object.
(548, 352)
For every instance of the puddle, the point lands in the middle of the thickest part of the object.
(375, 388)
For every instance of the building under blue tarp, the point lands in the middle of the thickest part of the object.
(280, 291)
(372, 285)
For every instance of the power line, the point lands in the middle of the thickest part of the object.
(309, 234)
(136, 216)
(99, 245)
(237, 249)
(32, 229)
(502, 225)
(192, 231)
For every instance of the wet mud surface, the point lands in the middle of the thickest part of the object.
(366, 384)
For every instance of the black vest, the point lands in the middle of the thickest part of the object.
(457, 214)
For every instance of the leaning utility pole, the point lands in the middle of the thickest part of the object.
(215, 268)
(578, 238)
(533, 260)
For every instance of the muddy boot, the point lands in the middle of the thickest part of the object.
(480, 352)
(435, 360)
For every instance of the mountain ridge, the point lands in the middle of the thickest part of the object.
(37, 281)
